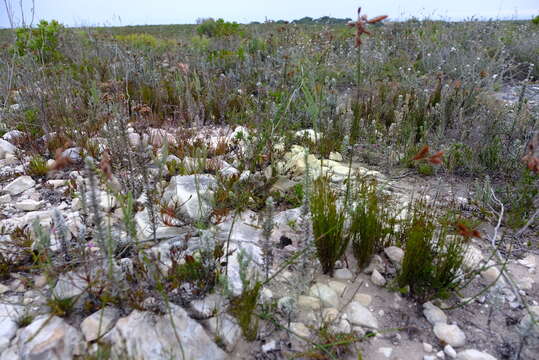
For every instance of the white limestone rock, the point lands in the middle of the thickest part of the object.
(450, 334)
(144, 335)
(19, 185)
(357, 314)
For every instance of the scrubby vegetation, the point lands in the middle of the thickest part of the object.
(171, 140)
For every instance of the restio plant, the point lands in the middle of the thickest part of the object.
(432, 255)
(372, 222)
(330, 237)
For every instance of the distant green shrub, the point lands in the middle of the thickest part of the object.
(144, 42)
(42, 41)
(219, 28)
(535, 20)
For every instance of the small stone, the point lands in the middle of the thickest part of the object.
(386, 351)
(73, 154)
(327, 295)
(377, 278)
(309, 302)
(335, 156)
(363, 299)
(342, 327)
(227, 329)
(450, 334)
(3, 289)
(359, 331)
(526, 325)
(429, 357)
(491, 274)
(343, 274)
(433, 313)
(376, 263)
(299, 329)
(395, 254)
(57, 183)
(449, 351)
(6, 148)
(427, 347)
(338, 286)
(330, 314)
(473, 354)
(270, 346)
(359, 315)
(19, 185)
(28, 205)
(440, 355)
(99, 323)
(207, 307)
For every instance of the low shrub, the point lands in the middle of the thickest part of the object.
(432, 256)
(218, 28)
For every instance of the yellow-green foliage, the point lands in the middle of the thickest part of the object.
(145, 42)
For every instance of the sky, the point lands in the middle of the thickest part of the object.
(142, 12)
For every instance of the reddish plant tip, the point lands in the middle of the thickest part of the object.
(466, 232)
(361, 23)
(436, 158)
(422, 153)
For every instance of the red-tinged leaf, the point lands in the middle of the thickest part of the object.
(377, 19)
(189, 259)
(422, 153)
(476, 233)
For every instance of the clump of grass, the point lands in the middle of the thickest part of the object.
(432, 256)
(328, 220)
(37, 166)
(61, 307)
(372, 223)
(330, 345)
(243, 306)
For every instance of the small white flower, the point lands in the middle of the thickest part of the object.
(494, 76)
(428, 54)
(453, 49)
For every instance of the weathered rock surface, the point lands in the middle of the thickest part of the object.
(99, 323)
(192, 193)
(450, 334)
(144, 335)
(19, 185)
(357, 314)
(48, 338)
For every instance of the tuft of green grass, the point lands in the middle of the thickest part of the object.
(328, 220)
(37, 166)
(61, 307)
(372, 223)
(432, 257)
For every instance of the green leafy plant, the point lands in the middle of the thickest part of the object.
(328, 220)
(218, 28)
(37, 166)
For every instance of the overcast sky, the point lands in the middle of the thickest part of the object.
(134, 12)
